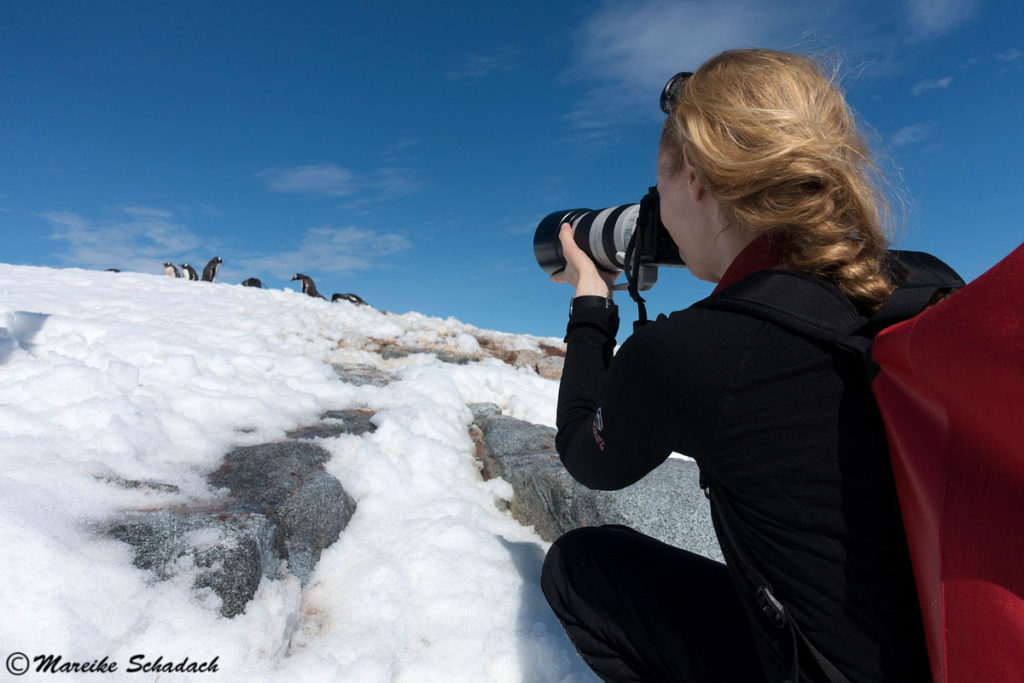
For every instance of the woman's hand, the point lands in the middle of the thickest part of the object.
(580, 271)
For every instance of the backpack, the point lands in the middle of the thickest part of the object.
(949, 382)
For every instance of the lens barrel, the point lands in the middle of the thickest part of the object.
(604, 235)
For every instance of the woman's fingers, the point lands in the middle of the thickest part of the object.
(580, 271)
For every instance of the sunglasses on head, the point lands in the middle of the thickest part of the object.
(670, 93)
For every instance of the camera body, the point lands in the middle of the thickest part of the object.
(629, 237)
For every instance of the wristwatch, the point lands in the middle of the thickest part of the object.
(583, 303)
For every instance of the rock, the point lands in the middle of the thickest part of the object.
(391, 351)
(550, 367)
(311, 519)
(231, 552)
(484, 410)
(335, 423)
(287, 481)
(360, 374)
(667, 504)
(356, 422)
(135, 484)
(282, 505)
(527, 359)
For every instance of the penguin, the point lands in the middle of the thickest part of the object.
(171, 270)
(210, 271)
(308, 287)
(190, 272)
(354, 298)
(253, 282)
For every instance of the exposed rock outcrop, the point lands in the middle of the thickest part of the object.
(281, 506)
(361, 375)
(546, 362)
(667, 504)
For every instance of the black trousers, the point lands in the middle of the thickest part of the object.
(638, 609)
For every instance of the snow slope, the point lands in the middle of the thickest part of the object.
(107, 376)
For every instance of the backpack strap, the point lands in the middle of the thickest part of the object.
(918, 277)
(770, 605)
(817, 310)
(798, 303)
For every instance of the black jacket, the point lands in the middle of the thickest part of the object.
(787, 435)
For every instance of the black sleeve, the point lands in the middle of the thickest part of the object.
(613, 418)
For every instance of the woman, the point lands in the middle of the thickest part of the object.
(760, 166)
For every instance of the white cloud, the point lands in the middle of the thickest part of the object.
(625, 51)
(930, 18)
(1010, 55)
(331, 250)
(393, 181)
(135, 238)
(522, 228)
(141, 239)
(147, 212)
(398, 148)
(477, 66)
(331, 180)
(629, 50)
(912, 134)
(931, 84)
(321, 179)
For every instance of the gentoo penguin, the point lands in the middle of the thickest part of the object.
(253, 282)
(354, 298)
(210, 271)
(171, 270)
(190, 272)
(308, 287)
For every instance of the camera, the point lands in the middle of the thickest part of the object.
(630, 237)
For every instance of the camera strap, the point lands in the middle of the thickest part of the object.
(632, 263)
(632, 272)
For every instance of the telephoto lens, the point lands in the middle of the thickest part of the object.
(605, 236)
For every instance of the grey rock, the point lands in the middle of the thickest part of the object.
(230, 551)
(335, 423)
(667, 504)
(265, 475)
(550, 367)
(444, 355)
(484, 410)
(310, 520)
(136, 484)
(309, 507)
(360, 374)
(282, 505)
(354, 421)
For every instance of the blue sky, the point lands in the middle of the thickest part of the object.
(405, 151)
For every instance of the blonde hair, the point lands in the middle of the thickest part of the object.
(774, 141)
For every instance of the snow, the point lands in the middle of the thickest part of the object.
(122, 376)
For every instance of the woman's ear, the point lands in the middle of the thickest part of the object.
(690, 175)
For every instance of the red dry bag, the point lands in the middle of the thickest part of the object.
(951, 392)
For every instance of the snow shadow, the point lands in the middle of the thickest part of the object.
(545, 646)
(20, 328)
